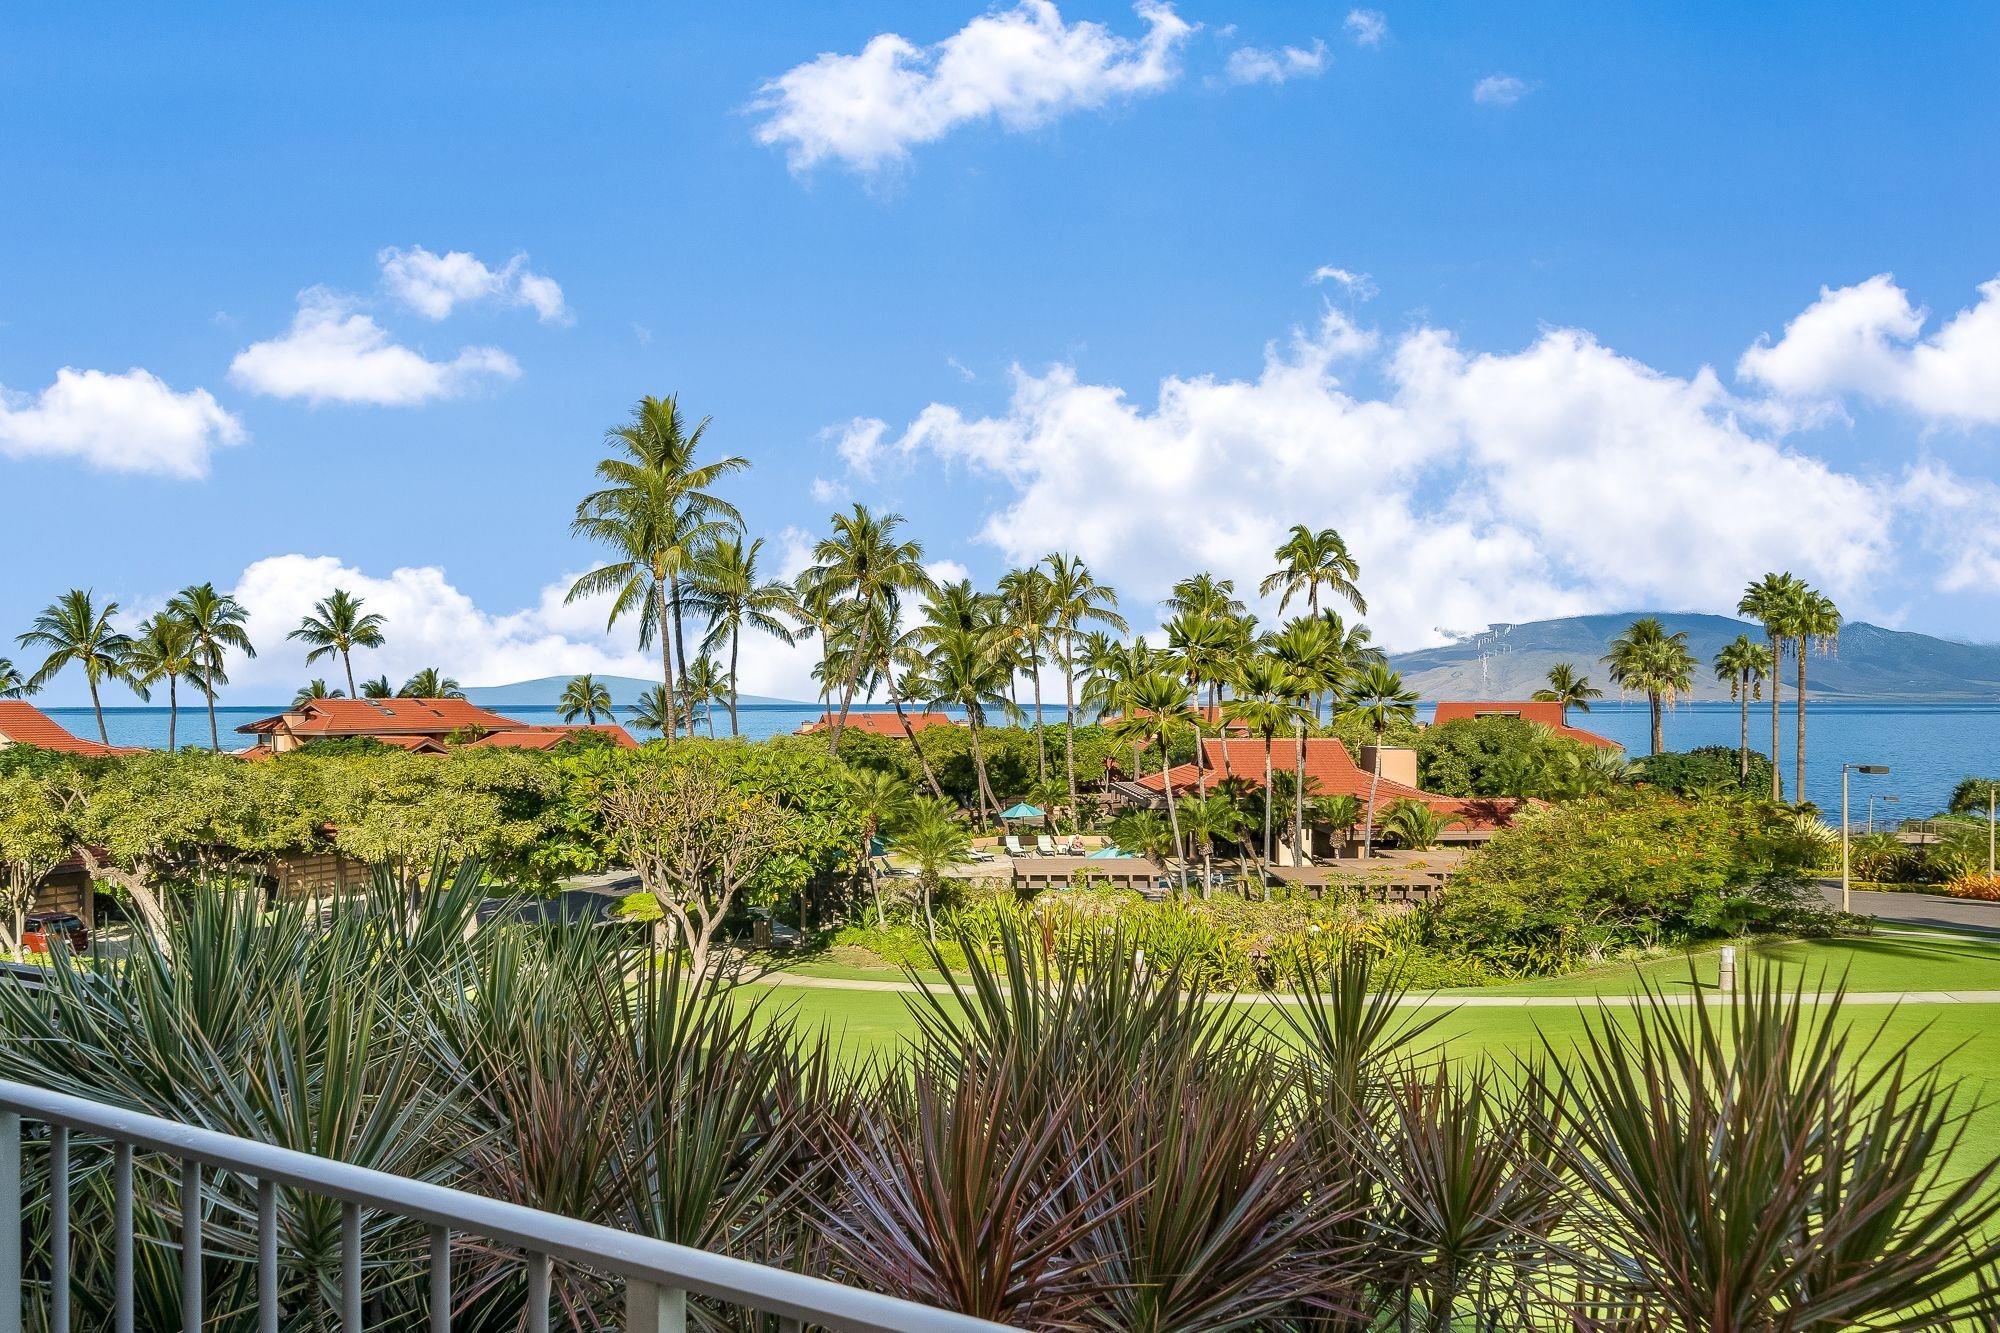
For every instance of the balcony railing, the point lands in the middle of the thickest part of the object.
(658, 1277)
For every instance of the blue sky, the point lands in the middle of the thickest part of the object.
(1037, 276)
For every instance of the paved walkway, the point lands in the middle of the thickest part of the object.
(1417, 1001)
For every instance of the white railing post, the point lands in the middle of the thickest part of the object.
(655, 1309)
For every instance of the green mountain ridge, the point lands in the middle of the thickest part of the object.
(1869, 662)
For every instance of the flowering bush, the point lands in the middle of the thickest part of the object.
(1986, 888)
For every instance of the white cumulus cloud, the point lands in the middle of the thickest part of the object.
(1368, 27)
(1499, 90)
(134, 422)
(1358, 285)
(432, 285)
(1474, 487)
(334, 353)
(1251, 64)
(1021, 66)
(1867, 341)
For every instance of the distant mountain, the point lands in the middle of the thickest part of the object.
(625, 691)
(1510, 661)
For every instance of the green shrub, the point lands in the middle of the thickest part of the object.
(1704, 770)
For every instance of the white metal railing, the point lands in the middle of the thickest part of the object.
(658, 1276)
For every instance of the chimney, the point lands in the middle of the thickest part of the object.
(1397, 763)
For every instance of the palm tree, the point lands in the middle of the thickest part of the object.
(584, 697)
(965, 672)
(216, 620)
(1203, 646)
(1377, 699)
(164, 650)
(883, 801)
(727, 587)
(653, 711)
(76, 631)
(1203, 594)
(1160, 712)
(933, 842)
(865, 565)
(1658, 664)
(1413, 824)
(1206, 818)
(315, 689)
(1745, 664)
(12, 683)
(1772, 602)
(1076, 599)
(430, 683)
(1111, 672)
(656, 513)
(336, 628)
(1814, 624)
(378, 688)
(1567, 689)
(1265, 703)
(1310, 654)
(1028, 613)
(1309, 561)
(703, 686)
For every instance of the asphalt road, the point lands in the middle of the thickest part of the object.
(1919, 909)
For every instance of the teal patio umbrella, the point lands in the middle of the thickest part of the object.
(1021, 811)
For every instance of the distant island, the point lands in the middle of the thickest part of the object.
(625, 691)
(1510, 661)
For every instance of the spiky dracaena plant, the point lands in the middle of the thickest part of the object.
(1759, 1165)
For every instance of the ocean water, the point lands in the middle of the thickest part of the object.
(1928, 747)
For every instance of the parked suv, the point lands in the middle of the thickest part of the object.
(65, 926)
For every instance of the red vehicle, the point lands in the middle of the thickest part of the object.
(66, 926)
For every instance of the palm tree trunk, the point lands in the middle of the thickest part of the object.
(348, 662)
(1267, 810)
(1777, 688)
(1299, 798)
(173, 715)
(214, 736)
(735, 645)
(1041, 745)
(1743, 742)
(1799, 716)
(987, 799)
(910, 735)
(850, 679)
(1173, 811)
(1069, 715)
(97, 706)
(672, 697)
(1659, 722)
(1374, 784)
(680, 634)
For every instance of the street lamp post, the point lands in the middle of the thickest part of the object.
(1846, 888)
(1872, 798)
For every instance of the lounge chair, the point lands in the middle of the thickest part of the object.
(1014, 847)
(980, 854)
(884, 870)
(1045, 844)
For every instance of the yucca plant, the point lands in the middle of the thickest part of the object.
(1756, 1165)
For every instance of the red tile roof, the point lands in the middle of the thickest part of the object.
(1332, 772)
(1544, 713)
(318, 718)
(1210, 715)
(22, 723)
(880, 724)
(547, 738)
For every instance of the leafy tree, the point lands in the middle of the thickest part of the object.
(1973, 796)
(1492, 756)
(430, 683)
(656, 513)
(216, 621)
(1568, 689)
(731, 591)
(1377, 699)
(884, 802)
(35, 836)
(1413, 824)
(335, 628)
(1705, 770)
(76, 632)
(1657, 664)
(585, 698)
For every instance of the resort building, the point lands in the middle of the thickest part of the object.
(24, 724)
(1332, 771)
(878, 724)
(423, 726)
(1542, 713)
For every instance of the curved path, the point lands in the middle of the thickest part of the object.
(1919, 909)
